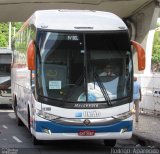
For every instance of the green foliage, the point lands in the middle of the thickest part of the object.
(17, 25)
(156, 53)
(158, 24)
(4, 32)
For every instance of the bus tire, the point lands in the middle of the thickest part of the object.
(110, 143)
(34, 140)
(19, 121)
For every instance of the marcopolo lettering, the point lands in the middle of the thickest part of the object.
(86, 105)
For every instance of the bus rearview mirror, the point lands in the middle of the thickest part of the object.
(31, 55)
(140, 55)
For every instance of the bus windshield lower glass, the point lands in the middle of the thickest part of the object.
(82, 67)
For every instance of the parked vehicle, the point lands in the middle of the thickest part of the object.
(5, 76)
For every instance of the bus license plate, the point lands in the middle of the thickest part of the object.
(86, 133)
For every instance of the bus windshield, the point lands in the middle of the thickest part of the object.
(84, 67)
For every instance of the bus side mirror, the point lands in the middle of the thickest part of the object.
(31, 55)
(140, 55)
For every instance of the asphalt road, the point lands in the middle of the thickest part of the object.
(17, 139)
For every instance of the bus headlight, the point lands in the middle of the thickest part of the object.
(46, 116)
(123, 116)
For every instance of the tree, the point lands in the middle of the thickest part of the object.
(17, 26)
(4, 32)
(156, 53)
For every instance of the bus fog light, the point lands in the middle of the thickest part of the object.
(123, 130)
(48, 131)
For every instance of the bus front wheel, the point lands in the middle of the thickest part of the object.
(110, 143)
(34, 140)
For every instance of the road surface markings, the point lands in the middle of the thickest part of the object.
(6, 111)
(12, 115)
(4, 126)
(17, 139)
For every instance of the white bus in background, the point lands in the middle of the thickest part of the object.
(60, 85)
(5, 75)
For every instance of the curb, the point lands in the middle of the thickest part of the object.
(144, 141)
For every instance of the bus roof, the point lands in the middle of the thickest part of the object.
(76, 20)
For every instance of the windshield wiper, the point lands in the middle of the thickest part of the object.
(103, 89)
(80, 79)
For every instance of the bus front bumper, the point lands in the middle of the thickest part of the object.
(48, 130)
